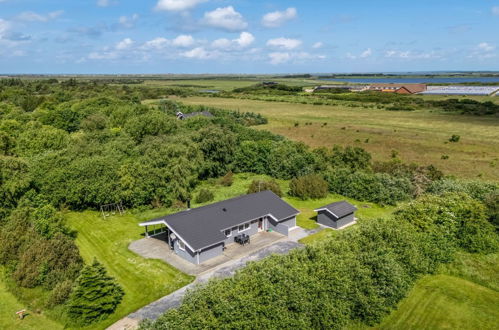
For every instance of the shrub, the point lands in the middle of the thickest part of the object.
(309, 186)
(455, 219)
(454, 138)
(204, 195)
(95, 296)
(227, 179)
(380, 188)
(262, 185)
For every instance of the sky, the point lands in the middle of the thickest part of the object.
(247, 36)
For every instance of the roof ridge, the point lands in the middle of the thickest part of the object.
(209, 206)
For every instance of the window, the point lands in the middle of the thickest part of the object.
(228, 233)
(181, 245)
(244, 227)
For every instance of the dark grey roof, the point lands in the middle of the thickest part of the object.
(195, 114)
(339, 209)
(203, 226)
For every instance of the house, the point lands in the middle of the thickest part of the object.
(398, 88)
(183, 116)
(336, 215)
(202, 233)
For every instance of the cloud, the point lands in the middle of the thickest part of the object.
(317, 45)
(284, 43)
(4, 28)
(30, 16)
(283, 57)
(367, 53)
(125, 44)
(495, 11)
(157, 43)
(278, 18)
(279, 57)
(486, 47)
(199, 53)
(412, 55)
(106, 3)
(483, 51)
(225, 18)
(183, 41)
(177, 5)
(244, 40)
(128, 22)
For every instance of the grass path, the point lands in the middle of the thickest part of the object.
(420, 136)
(107, 240)
(9, 305)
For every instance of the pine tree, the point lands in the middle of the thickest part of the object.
(95, 295)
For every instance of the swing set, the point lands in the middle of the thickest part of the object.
(108, 210)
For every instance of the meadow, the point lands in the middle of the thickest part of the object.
(418, 136)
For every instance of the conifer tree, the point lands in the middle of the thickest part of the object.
(95, 295)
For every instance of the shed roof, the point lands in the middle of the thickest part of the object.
(339, 209)
(203, 226)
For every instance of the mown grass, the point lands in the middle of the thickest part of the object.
(107, 240)
(9, 305)
(420, 136)
(446, 302)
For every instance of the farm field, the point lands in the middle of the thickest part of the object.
(419, 136)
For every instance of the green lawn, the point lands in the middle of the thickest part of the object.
(9, 305)
(446, 302)
(420, 136)
(143, 280)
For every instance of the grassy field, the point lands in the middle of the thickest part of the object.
(9, 305)
(226, 85)
(107, 240)
(419, 136)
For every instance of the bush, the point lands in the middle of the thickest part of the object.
(309, 186)
(95, 296)
(204, 195)
(262, 185)
(380, 188)
(454, 138)
(454, 219)
(227, 179)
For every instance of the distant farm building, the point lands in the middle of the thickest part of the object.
(399, 88)
(183, 116)
(351, 88)
(462, 90)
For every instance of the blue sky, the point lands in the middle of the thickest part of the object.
(247, 36)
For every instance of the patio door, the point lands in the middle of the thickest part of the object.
(261, 224)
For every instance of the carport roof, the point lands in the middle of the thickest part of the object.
(203, 227)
